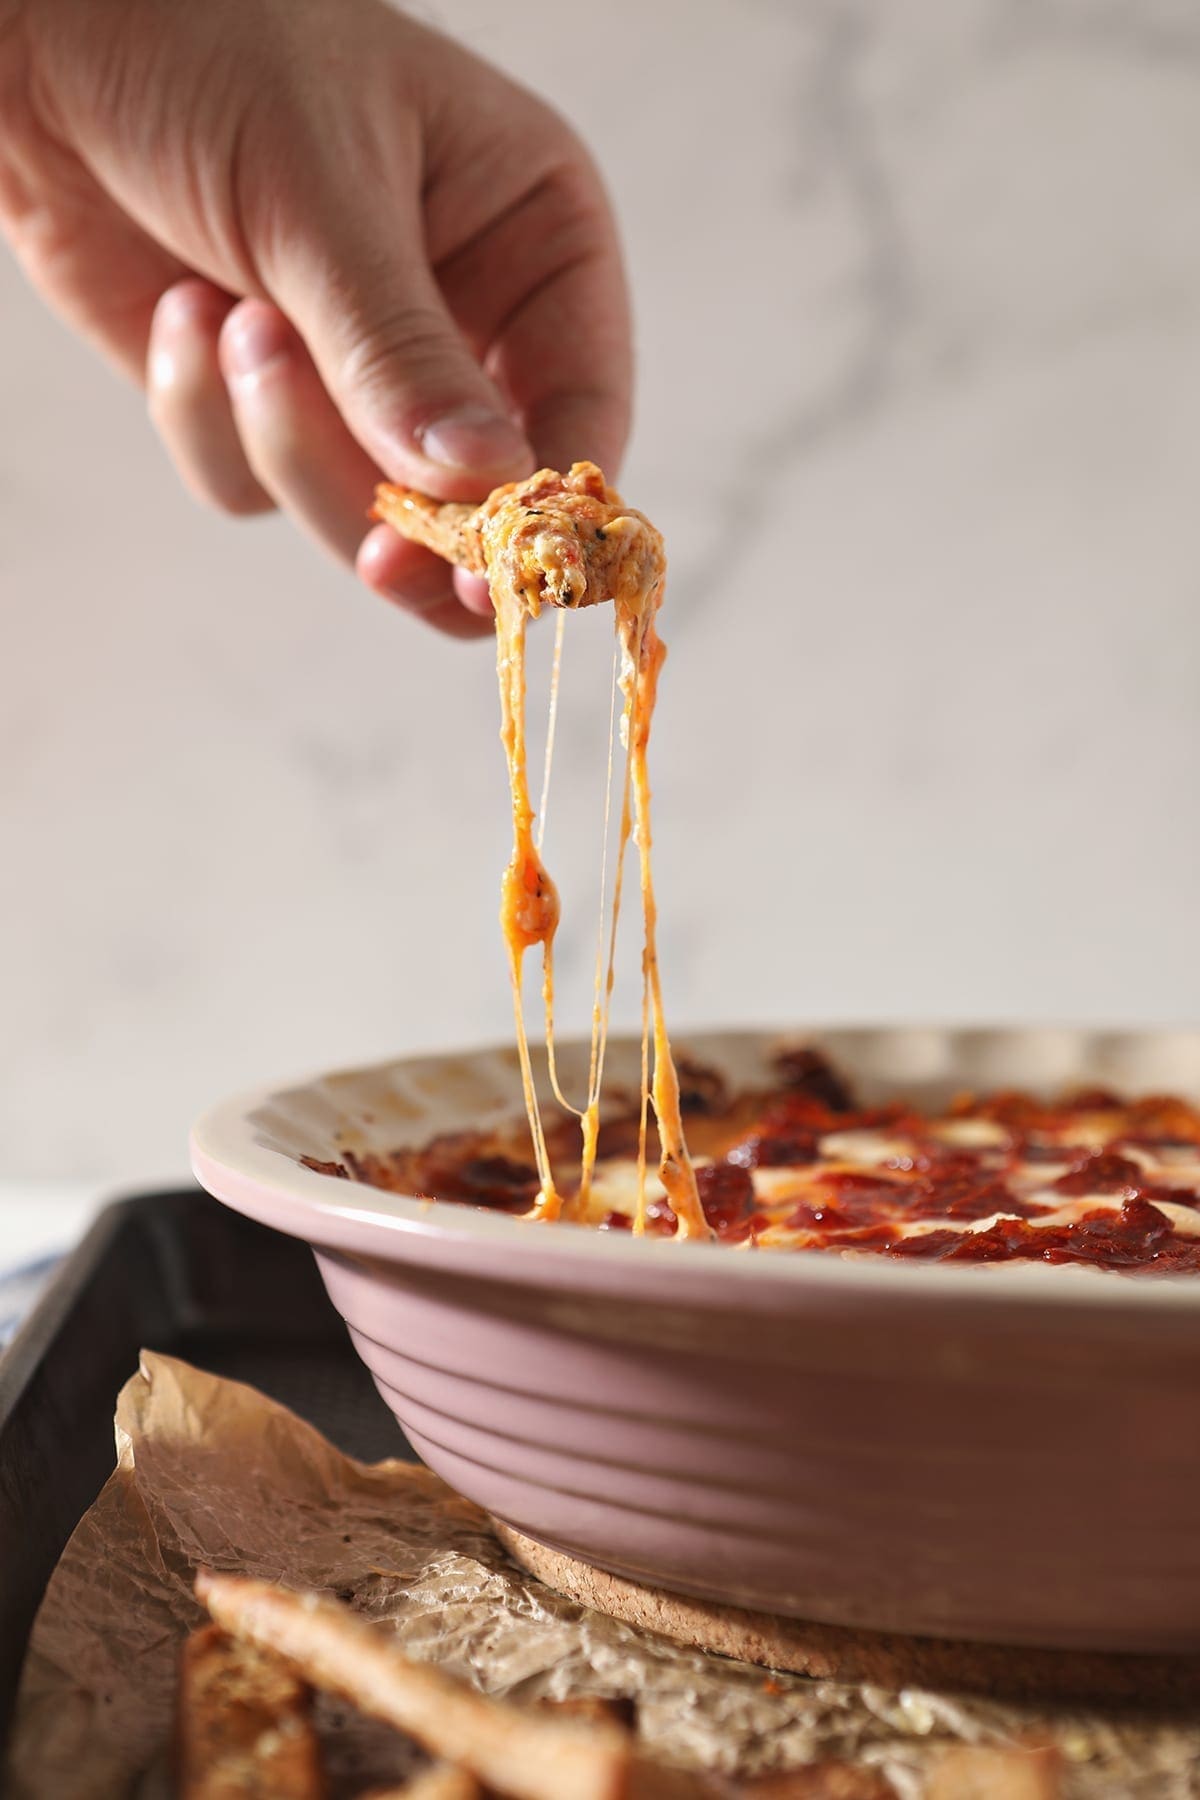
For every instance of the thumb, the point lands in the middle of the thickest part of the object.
(397, 366)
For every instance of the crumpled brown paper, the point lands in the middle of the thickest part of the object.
(211, 1473)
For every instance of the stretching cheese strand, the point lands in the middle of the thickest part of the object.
(568, 541)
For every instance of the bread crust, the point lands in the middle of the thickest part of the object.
(244, 1728)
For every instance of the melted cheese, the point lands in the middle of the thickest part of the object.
(569, 541)
(869, 1152)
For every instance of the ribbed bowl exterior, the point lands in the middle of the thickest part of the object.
(1016, 1481)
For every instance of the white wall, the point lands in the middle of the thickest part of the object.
(919, 315)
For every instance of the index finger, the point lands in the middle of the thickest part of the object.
(541, 297)
(565, 358)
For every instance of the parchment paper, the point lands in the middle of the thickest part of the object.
(211, 1473)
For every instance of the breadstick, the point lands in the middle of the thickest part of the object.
(441, 1781)
(820, 1781)
(553, 540)
(243, 1725)
(983, 1772)
(523, 1755)
(447, 527)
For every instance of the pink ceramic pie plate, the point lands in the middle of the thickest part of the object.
(1004, 1453)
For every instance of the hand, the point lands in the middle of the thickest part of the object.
(332, 244)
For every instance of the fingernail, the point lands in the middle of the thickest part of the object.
(474, 437)
(253, 336)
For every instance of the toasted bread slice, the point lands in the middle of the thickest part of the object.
(985, 1772)
(440, 1781)
(244, 1728)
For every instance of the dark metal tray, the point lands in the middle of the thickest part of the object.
(173, 1272)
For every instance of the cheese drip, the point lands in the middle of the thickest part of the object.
(569, 541)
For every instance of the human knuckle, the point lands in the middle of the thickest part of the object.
(412, 337)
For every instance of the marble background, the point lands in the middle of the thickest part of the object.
(918, 286)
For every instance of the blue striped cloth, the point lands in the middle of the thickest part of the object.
(20, 1291)
(40, 1220)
